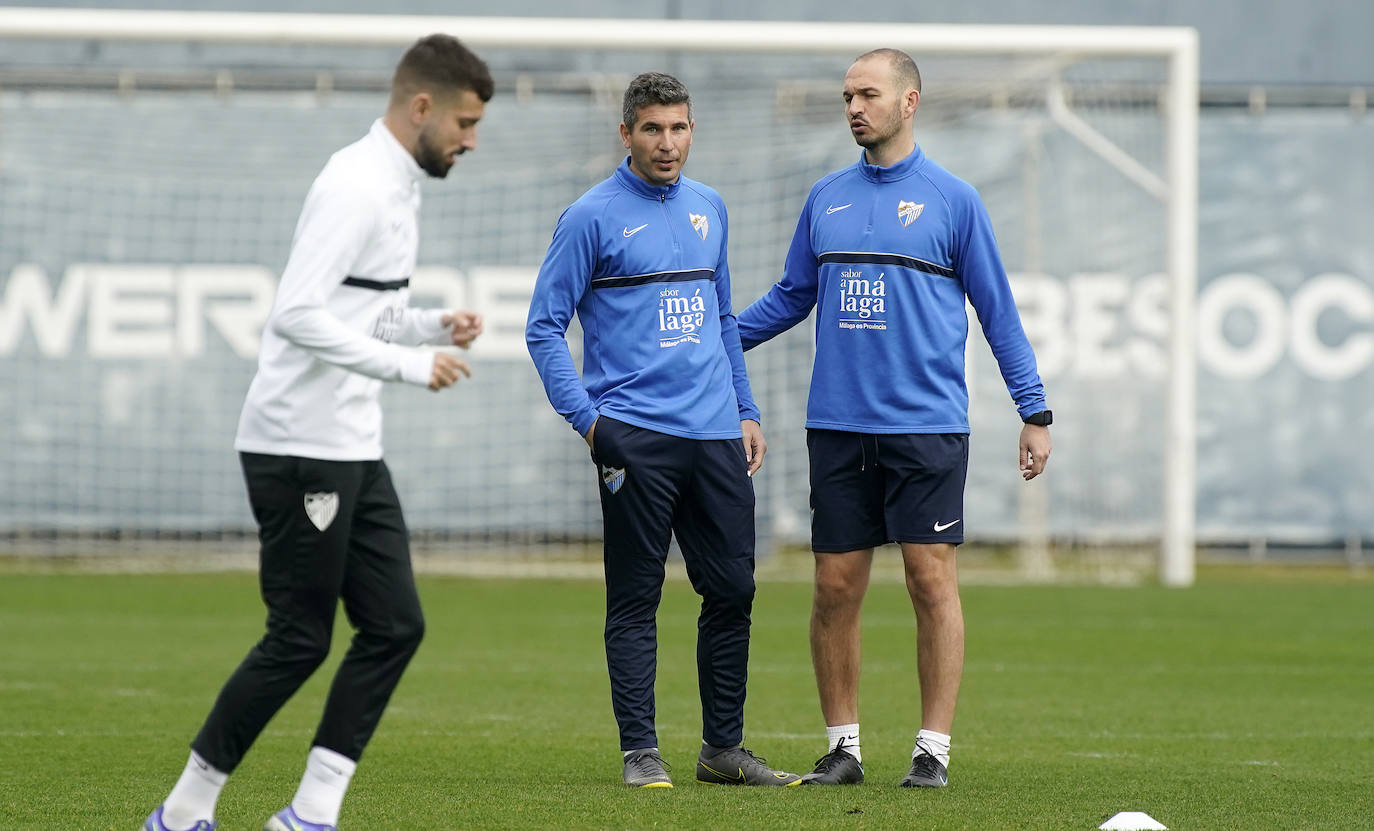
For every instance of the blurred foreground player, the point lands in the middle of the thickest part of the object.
(310, 444)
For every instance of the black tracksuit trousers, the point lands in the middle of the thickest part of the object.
(329, 531)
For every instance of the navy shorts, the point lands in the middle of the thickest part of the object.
(868, 489)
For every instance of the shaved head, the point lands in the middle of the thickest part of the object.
(882, 90)
(904, 70)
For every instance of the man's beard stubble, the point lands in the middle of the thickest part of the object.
(876, 138)
(430, 158)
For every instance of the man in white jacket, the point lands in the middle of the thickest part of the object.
(310, 443)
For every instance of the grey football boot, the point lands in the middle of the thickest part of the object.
(646, 769)
(738, 766)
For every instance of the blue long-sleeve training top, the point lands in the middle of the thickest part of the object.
(645, 269)
(887, 255)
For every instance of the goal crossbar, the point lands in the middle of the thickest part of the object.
(589, 33)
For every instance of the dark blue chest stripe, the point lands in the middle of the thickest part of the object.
(376, 285)
(658, 277)
(849, 257)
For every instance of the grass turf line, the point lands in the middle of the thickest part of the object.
(1230, 705)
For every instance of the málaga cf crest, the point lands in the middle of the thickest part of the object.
(700, 225)
(613, 477)
(321, 508)
(908, 211)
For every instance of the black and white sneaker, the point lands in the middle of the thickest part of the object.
(838, 767)
(926, 772)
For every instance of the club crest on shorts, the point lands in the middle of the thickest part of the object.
(321, 508)
(613, 477)
(908, 211)
(700, 224)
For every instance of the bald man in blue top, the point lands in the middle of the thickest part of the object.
(887, 251)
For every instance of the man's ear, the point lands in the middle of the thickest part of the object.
(625, 135)
(913, 100)
(421, 105)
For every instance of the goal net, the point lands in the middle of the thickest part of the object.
(152, 166)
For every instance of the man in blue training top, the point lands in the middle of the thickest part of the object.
(664, 404)
(887, 250)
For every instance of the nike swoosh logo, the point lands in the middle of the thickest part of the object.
(629, 232)
(738, 778)
(835, 208)
(939, 527)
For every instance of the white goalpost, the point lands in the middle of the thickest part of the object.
(1083, 140)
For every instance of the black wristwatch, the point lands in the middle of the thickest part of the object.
(1044, 418)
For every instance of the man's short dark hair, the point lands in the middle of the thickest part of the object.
(903, 67)
(440, 64)
(648, 89)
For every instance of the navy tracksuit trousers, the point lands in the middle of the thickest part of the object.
(654, 485)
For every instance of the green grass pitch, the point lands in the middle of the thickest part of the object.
(1238, 704)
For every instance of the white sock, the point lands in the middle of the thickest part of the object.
(637, 750)
(936, 744)
(194, 795)
(323, 786)
(849, 733)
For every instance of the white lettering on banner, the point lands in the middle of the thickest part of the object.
(1088, 325)
(53, 321)
(1262, 303)
(1079, 328)
(1148, 314)
(1043, 302)
(1339, 292)
(1097, 300)
(131, 311)
(161, 311)
(441, 284)
(1107, 325)
(138, 311)
(234, 298)
(502, 295)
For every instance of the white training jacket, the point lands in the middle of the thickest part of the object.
(341, 311)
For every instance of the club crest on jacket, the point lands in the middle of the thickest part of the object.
(700, 224)
(908, 211)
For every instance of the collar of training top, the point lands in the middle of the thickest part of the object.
(900, 170)
(634, 184)
(400, 157)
